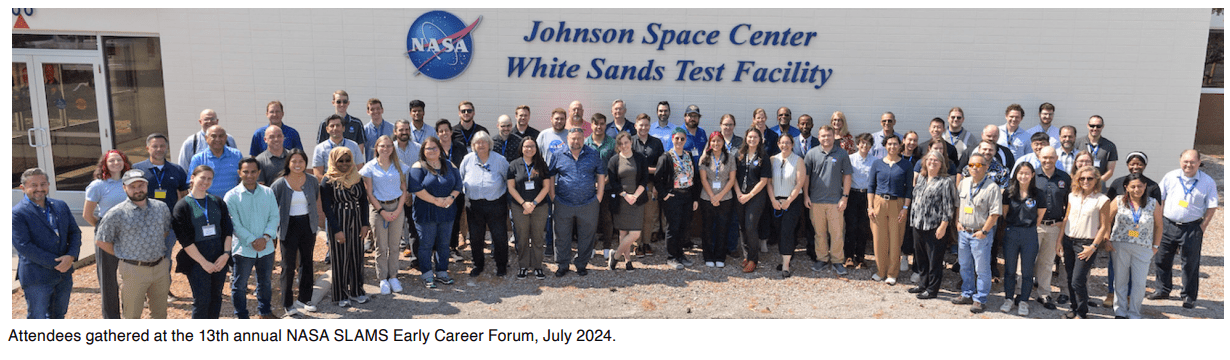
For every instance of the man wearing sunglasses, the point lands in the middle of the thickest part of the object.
(1104, 152)
(466, 127)
(887, 121)
(352, 127)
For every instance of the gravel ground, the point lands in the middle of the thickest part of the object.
(654, 291)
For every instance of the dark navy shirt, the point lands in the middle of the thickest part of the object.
(171, 178)
(1022, 212)
(1054, 192)
(896, 179)
(575, 178)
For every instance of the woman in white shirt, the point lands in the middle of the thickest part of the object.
(786, 187)
(1088, 210)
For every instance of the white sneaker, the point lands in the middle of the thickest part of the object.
(905, 263)
(764, 246)
(396, 285)
(720, 264)
(305, 307)
(710, 264)
(915, 278)
(361, 299)
(876, 277)
(384, 288)
(291, 312)
(1007, 307)
(606, 253)
(1023, 309)
(891, 281)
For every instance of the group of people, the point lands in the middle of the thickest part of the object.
(627, 182)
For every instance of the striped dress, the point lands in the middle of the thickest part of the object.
(345, 211)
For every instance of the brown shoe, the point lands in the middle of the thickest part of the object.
(1109, 301)
(749, 266)
(850, 263)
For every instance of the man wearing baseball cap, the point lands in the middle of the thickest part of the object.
(134, 231)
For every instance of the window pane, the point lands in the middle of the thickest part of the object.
(43, 41)
(138, 102)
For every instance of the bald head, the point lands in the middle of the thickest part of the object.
(990, 132)
(274, 138)
(504, 122)
(216, 137)
(208, 118)
(1047, 156)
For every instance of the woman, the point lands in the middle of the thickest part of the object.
(1088, 210)
(453, 153)
(482, 178)
(1023, 208)
(844, 138)
(936, 146)
(1135, 237)
(935, 197)
(101, 194)
(911, 154)
(717, 174)
(786, 187)
(1083, 158)
(529, 184)
(436, 185)
(384, 178)
(203, 228)
(753, 174)
(298, 196)
(629, 172)
(891, 183)
(343, 193)
(858, 225)
(675, 181)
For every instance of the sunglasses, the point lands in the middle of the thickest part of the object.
(783, 115)
(467, 111)
(1087, 178)
(1092, 126)
(956, 117)
(886, 121)
(976, 165)
(341, 102)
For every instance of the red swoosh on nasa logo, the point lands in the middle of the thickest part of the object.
(458, 35)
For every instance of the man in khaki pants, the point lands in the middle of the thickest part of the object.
(135, 232)
(1054, 185)
(827, 187)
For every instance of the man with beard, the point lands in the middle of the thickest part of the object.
(135, 232)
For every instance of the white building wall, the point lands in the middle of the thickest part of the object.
(1138, 68)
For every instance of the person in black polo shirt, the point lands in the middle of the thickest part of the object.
(1053, 187)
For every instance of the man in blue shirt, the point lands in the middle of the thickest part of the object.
(320, 155)
(254, 213)
(375, 128)
(198, 141)
(580, 178)
(887, 122)
(618, 122)
(290, 139)
(663, 129)
(697, 138)
(783, 127)
(47, 242)
(418, 129)
(1189, 200)
(1011, 135)
(167, 182)
(223, 159)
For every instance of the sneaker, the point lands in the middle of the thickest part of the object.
(640, 251)
(674, 264)
(839, 268)
(563, 270)
(905, 263)
(385, 289)
(538, 274)
(876, 278)
(610, 262)
(628, 266)
(686, 261)
(648, 250)
(977, 308)
(396, 285)
(430, 283)
(606, 253)
(1062, 299)
(1007, 307)
(914, 278)
(1023, 309)
(361, 299)
(445, 280)
(367, 247)
(891, 281)
(455, 255)
(343, 303)
(521, 273)
(764, 245)
(305, 307)
(710, 264)
(819, 265)
(963, 300)
(720, 264)
(291, 312)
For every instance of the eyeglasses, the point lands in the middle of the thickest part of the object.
(976, 165)
(1092, 126)
(886, 121)
(341, 102)
(467, 111)
(1087, 178)
(783, 115)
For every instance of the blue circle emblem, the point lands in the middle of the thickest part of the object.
(440, 45)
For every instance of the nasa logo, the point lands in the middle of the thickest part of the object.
(439, 44)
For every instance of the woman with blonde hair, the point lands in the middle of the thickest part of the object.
(384, 178)
(843, 136)
(1087, 226)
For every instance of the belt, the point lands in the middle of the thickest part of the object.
(887, 197)
(1049, 222)
(389, 202)
(143, 263)
(1182, 224)
(860, 191)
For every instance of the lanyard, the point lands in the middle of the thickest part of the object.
(158, 175)
(1011, 137)
(528, 169)
(418, 135)
(204, 208)
(952, 137)
(466, 137)
(1136, 212)
(51, 217)
(974, 190)
(505, 149)
(1094, 149)
(1187, 191)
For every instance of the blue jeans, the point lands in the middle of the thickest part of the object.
(1022, 241)
(974, 255)
(206, 292)
(433, 239)
(264, 289)
(48, 300)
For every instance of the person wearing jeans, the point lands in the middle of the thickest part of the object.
(1023, 206)
(435, 185)
(254, 213)
(980, 207)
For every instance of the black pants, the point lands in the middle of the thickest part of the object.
(717, 220)
(489, 215)
(1187, 241)
(604, 226)
(1078, 273)
(929, 258)
(858, 226)
(788, 222)
(678, 211)
(453, 243)
(750, 214)
(297, 256)
(412, 235)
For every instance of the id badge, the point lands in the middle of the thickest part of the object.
(529, 185)
(160, 194)
(1183, 203)
(1097, 163)
(969, 209)
(209, 230)
(717, 185)
(1133, 233)
(695, 153)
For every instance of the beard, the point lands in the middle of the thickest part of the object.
(138, 197)
(403, 138)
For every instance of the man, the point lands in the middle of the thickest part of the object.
(1053, 186)
(320, 155)
(375, 128)
(290, 138)
(576, 117)
(605, 146)
(1000, 154)
(580, 178)
(936, 129)
(167, 182)
(552, 140)
(805, 142)
(1046, 115)
(47, 242)
(1011, 135)
(254, 214)
(223, 159)
(198, 142)
(663, 129)
(466, 127)
(408, 153)
(483, 176)
(998, 173)
(273, 159)
(1037, 141)
(651, 148)
(618, 122)
(352, 127)
(733, 141)
(980, 207)
(827, 167)
(524, 130)
(135, 232)
(1066, 151)
(506, 143)
(697, 138)
(1190, 201)
(957, 136)
(1105, 154)
(418, 129)
(783, 126)
(887, 122)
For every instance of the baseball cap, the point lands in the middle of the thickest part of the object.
(133, 175)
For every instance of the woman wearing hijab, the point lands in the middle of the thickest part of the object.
(343, 195)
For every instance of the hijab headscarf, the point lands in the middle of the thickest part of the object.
(346, 179)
